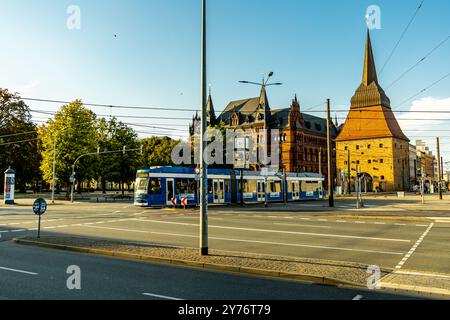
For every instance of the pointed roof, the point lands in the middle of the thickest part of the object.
(370, 70)
(377, 120)
(370, 92)
(210, 113)
(263, 101)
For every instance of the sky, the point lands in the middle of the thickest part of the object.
(147, 53)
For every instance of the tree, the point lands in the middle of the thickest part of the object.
(117, 167)
(18, 141)
(73, 129)
(157, 151)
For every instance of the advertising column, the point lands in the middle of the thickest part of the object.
(9, 186)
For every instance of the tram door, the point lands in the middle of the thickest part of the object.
(295, 190)
(170, 192)
(219, 190)
(261, 190)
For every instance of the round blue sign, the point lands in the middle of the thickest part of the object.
(39, 206)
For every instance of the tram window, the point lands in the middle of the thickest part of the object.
(155, 186)
(192, 186)
(182, 186)
(141, 184)
(309, 186)
(250, 186)
(275, 186)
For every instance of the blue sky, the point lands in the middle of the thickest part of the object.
(314, 47)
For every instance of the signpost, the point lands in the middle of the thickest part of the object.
(39, 208)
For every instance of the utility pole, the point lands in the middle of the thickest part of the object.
(330, 161)
(439, 168)
(203, 166)
(422, 184)
(54, 173)
(349, 175)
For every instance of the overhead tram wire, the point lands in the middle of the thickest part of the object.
(21, 141)
(18, 134)
(117, 116)
(418, 62)
(110, 106)
(401, 37)
(422, 91)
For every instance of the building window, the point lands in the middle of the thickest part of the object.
(381, 145)
(369, 146)
(382, 177)
(346, 148)
(345, 163)
(357, 162)
(357, 147)
(369, 162)
(381, 160)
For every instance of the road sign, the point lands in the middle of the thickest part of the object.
(39, 206)
(174, 201)
(184, 202)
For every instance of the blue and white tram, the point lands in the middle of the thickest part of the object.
(169, 186)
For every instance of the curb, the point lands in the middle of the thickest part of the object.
(444, 293)
(318, 280)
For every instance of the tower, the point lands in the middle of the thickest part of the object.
(372, 136)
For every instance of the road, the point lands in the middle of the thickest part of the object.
(405, 245)
(35, 273)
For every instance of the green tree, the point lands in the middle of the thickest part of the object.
(18, 143)
(73, 129)
(119, 167)
(157, 151)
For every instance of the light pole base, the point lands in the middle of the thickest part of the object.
(204, 251)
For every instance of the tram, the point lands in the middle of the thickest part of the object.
(179, 186)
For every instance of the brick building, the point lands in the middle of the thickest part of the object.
(304, 143)
(371, 140)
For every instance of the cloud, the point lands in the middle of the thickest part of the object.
(427, 126)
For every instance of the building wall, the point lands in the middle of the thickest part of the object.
(386, 160)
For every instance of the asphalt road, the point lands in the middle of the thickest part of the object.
(405, 245)
(36, 273)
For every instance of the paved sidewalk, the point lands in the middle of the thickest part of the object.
(418, 282)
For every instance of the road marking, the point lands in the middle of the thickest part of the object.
(251, 241)
(301, 225)
(359, 222)
(19, 271)
(325, 235)
(420, 274)
(161, 297)
(380, 223)
(358, 297)
(414, 248)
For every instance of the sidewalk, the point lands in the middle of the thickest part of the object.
(317, 271)
(418, 282)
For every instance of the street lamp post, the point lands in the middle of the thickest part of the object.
(264, 84)
(203, 165)
(54, 171)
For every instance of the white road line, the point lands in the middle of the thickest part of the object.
(251, 241)
(414, 248)
(325, 235)
(19, 271)
(358, 297)
(161, 297)
(420, 274)
(301, 225)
